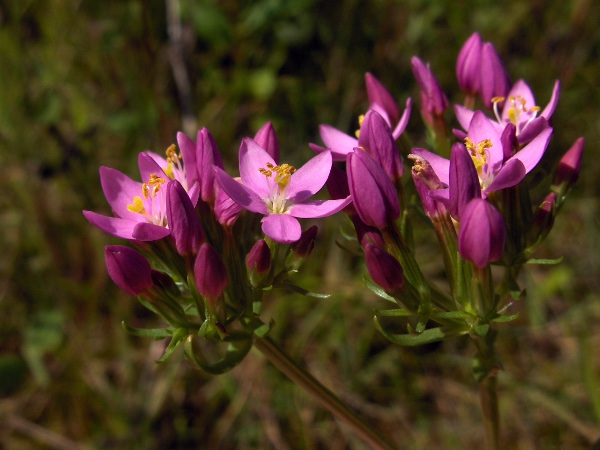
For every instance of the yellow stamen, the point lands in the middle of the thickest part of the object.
(172, 159)
(361, 119)
(478, 152)
(283, 173)
(137, 206)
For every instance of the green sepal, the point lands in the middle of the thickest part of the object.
(501, 318)
(452, 315)
(238, 345)
(301, 291)
(549, 262)
(426, 337)
(377, 290)
(393, 312)
(178, 336)
(154, 333)
(482, 330)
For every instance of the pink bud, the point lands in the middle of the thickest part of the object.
(210, 273)
(267, 139)
(468, 65)
(128, 269)
(385, 270)
(570, 164)
(482, 233)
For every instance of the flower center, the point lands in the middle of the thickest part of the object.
(281, 175)
(518, 112)
(152, 209)
(479, 155)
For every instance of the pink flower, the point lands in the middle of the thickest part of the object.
(280, 192)
(139, 208)
(519, 109)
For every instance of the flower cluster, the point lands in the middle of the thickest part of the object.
(204, 245)
(195, 258)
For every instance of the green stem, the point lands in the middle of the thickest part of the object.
(320, 393)
(486, 367)
(488, 396)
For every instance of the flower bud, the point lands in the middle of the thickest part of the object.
(373, 193)
(427, 182)
(210, 273)
(208, 155)
(376, 139)
(226, 210)
(128, 269)
(433, 100)
(267, 139)
(259, 257)
(495, 81)
(543, 220)
(569, 166)
(464, 181)
(468, 65)
(367, 234)
(482, 233)
(183, 220)
(385, 270)
(380, 96)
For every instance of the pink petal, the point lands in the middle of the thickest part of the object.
(533, 152)
(120, 191)
(310, 178)
(463, 115)
(282, 228)
(240, 193)
(441, 166)
(482, 128)
(125, 229)
(148, 167)
(509, 175)
(253, 158)
(340, 143)
(549, 109)
(403, 120)
(319, 208)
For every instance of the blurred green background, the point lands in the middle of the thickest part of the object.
(91, 83)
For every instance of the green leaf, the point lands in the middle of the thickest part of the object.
(154, 333)
(545, 261)
(393, 312)
(501, 318)
(452, 315)
(426, 337)
(301, 291)
(178, 337)
(377, 290)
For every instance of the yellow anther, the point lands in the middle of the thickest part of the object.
(283, 173)
(498, 99)
(172, 155)
(265, 172)
(361, 119)
(153, 185)
(478, 152)
(137, 206)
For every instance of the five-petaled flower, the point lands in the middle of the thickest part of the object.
(280, 192)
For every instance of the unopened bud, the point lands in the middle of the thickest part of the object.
(128, 269)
